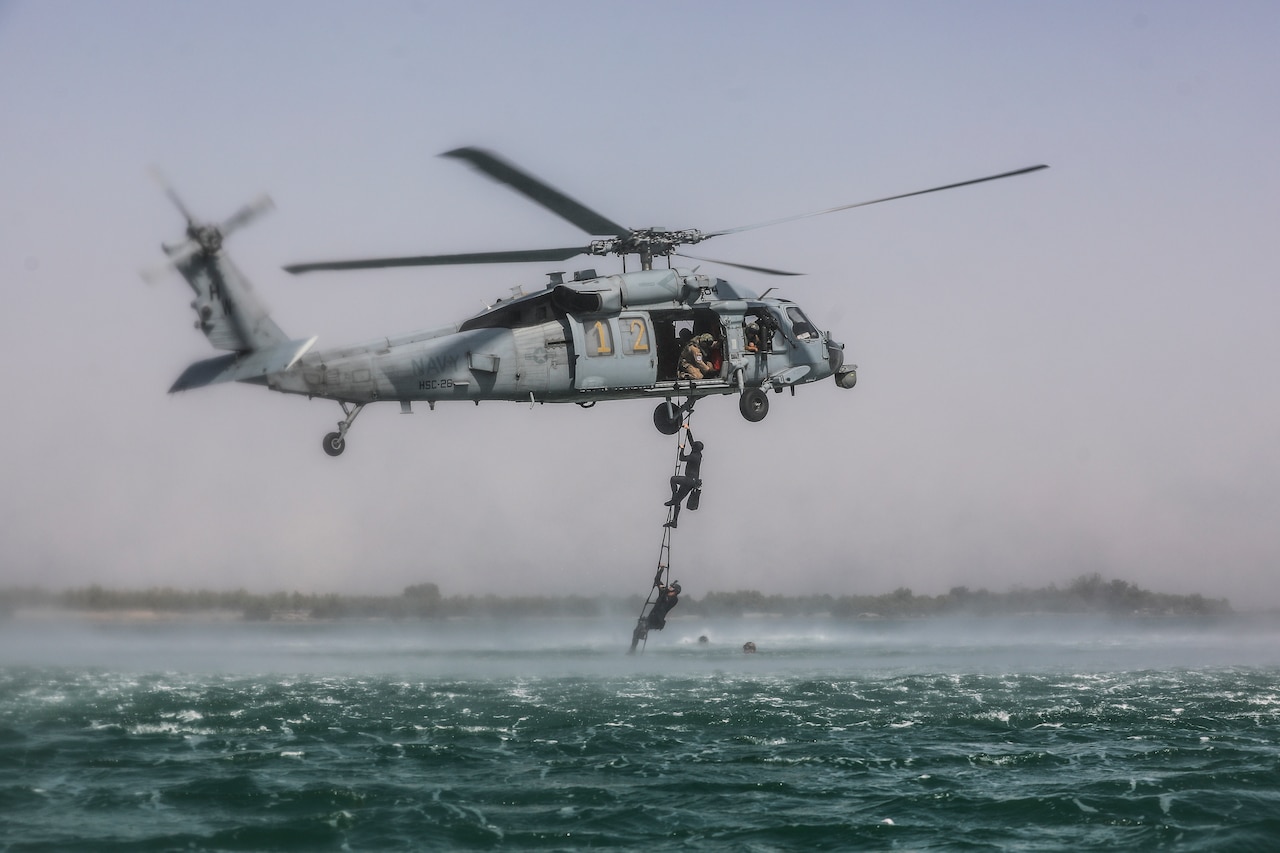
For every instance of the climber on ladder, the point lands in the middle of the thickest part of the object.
(686, 483)
(668, 597)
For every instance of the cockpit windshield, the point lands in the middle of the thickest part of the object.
(800, 325)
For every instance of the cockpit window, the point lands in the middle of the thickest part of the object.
(800, 325)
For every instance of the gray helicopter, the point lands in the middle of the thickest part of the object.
(670, 335)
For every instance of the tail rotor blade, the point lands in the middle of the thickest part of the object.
(251, 211)
(154, 273)
(169, 191)
(177, 256)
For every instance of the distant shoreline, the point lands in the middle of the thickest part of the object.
(1087, 594)
(136, 618)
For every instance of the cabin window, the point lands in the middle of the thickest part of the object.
(599, 338)
(636, 339)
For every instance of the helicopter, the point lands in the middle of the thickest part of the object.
(579, 339)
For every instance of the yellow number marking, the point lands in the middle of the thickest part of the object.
(602, 338)
(641, 343)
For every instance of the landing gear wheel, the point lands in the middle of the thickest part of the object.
(667, 418)
(334, 444)
(754, 404)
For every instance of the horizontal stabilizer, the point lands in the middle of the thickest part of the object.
(238, 367)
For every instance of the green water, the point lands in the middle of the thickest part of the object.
(1074, 735)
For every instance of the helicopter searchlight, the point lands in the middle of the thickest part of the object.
(669, 335)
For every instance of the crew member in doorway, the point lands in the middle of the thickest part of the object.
(711, 355)
(683, 484)
(759, 333)
(693, 364)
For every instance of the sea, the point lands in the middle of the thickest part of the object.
(1034, 733)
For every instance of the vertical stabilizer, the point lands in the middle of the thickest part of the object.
(227, 310)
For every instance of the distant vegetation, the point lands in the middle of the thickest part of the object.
(1086, 594)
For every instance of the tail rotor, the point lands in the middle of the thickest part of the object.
(201, 238)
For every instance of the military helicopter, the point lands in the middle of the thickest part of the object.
(581, 340)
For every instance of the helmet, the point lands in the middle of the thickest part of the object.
(697, 445)
(675, 587)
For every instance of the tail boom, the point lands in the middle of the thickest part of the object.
(250, 366)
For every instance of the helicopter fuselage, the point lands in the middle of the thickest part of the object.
(670, 334)
(595, 338)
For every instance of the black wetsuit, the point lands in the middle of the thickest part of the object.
(667, 599)
(657, 618)
(683, 484)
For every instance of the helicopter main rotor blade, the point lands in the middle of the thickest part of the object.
(539, 191)
(443, 260)
(873, 201)
(765, 270)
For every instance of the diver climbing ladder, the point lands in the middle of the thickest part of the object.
(662, 577)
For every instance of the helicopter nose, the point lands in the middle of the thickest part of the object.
(846, 377)
(835, 355)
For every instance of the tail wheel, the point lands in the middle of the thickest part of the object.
(754, 404)
(667, 418)
(334, 444)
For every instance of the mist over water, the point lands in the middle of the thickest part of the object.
(1037, 732)
(505, 648)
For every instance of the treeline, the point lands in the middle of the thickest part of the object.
(416, 602)
(1086, 594)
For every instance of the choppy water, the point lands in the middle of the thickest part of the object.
(934, 735)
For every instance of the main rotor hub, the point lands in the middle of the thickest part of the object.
(648, 243)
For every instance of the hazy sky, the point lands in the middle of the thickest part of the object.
(1068, 372)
